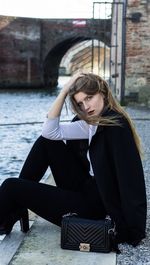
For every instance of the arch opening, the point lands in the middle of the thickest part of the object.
(89, 55)
(73, 54)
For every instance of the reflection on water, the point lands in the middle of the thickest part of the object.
(28, 109)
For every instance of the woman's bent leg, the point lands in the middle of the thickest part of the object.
(36, 162)
(66, 167)
(47, 201)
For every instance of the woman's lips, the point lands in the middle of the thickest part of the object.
(91, 112)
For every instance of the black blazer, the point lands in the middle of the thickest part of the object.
(119, 175)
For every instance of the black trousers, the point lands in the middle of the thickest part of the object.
(75, 189)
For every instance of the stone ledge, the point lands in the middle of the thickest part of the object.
(41, 246)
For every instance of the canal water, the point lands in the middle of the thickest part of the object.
(22, 113)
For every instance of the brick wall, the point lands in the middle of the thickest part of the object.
(19, 52)
(138, 48)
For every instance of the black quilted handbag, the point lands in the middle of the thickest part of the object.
(88, 235)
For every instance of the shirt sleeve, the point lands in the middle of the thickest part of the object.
(53, 129)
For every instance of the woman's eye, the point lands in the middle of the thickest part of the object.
(80, 104)
(89, 97)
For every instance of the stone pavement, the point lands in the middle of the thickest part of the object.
(42, 247)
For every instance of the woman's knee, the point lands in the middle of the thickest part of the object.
(43, 143)
(9, 184)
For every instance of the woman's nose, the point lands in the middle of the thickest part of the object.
(86, 105)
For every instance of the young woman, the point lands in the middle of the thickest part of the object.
(95, 161)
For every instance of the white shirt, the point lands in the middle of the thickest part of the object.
(53, 129)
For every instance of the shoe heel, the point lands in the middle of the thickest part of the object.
(24, 222)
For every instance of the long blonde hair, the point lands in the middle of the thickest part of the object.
(92, 84)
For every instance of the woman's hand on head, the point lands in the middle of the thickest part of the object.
(71, 81)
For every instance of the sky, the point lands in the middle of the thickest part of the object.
(48, 8)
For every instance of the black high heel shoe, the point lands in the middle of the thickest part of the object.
(24, 221)
(21, 216)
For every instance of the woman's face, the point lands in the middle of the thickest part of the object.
(91, 105)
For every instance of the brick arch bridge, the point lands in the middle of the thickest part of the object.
(32, 49)
(66, 34)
